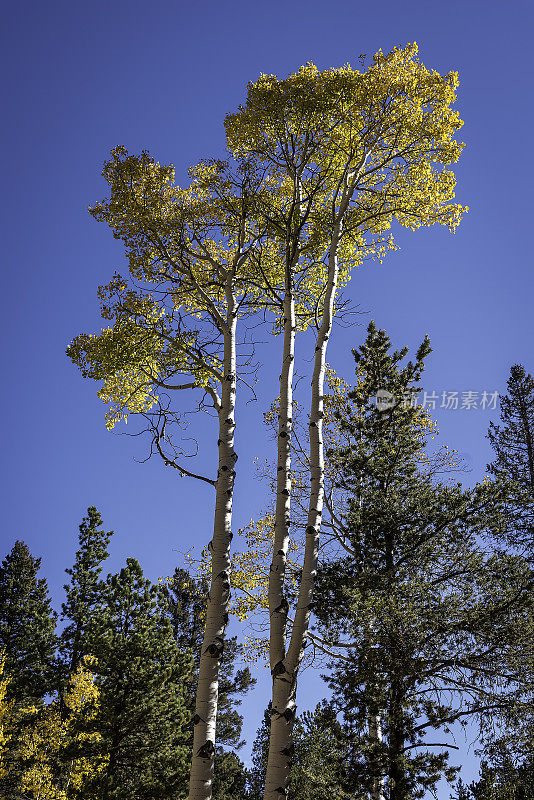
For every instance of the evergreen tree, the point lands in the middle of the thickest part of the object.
(318, 768)
(84, 592)
(183, 600)
(230, 779)
(143, 680)
(422, 618)
(260, 752)
(513, 443)
(504, 782)
(27, 646)
(27, 625)
(318, 756)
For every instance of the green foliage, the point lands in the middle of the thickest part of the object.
(318, 768)
(260, 750)
(424, 619)
(142, 677)
(319, 763)
(27, 643)
(230, 779)
(513, 443)
(84, 592)
(117, 722)
(27, 625)
(183, 601)
(506, 781)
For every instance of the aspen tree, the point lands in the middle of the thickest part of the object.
(53, 757)
(175, 328)
(6, 707)
(375, 144)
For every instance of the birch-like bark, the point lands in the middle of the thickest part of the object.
(286, 671)
(375, 734)
(285, 668)
(315, 508)
(202, 765)
(281, 718)
(278, 605)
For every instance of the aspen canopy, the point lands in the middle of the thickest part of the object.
(320, 166)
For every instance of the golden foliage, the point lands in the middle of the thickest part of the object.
(44, 736)
(386, 133)
(6, 709)
(389, 130)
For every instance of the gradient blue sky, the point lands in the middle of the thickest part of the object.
(80, 78)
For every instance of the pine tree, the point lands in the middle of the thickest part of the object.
(513, 443)
(317, 769)
(183, 601)
(234, 683)
(27, 642)
(143, 679)
(84, 592)
(27, 625)
(230, 780)
(422, 619)
(504, 782)
(260, 752)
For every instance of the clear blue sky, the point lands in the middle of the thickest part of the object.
(80, 78)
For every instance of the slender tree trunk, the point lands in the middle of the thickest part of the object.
(285, 671)
(375, 734)
(397, 771)
(278, 605)
(281, 720)
(201, 777)
(374, 720)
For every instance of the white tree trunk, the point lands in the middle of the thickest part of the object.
(278, 606)
(286, 671)
(375, 733)
(201, 776)
(281, 747)
(281, 721)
